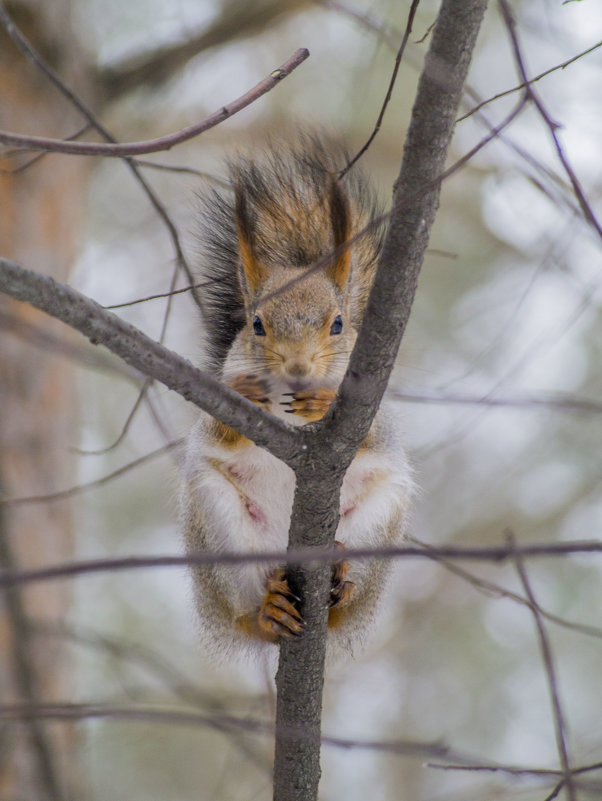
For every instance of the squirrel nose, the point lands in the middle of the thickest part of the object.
(297, 367)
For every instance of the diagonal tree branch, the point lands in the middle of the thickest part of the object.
(150, 358)
(389, 92)
(550, 670)
(553, 126)
(118, 150)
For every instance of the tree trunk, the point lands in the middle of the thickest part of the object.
(41, 214)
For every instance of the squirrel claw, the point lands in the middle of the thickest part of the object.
(278, 615)
(311, 404)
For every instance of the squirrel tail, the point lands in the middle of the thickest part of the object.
(286, 193)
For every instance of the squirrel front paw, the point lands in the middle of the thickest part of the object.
(312, 404)
(278, 615)
(252, 387)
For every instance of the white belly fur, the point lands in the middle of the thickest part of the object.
(247, 495)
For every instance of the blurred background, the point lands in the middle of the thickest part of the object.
(505, 336)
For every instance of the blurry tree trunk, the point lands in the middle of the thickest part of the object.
(39, 219)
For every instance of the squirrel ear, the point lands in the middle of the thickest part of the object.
(338, 270)
(253, 275)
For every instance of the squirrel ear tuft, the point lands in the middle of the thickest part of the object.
(338, 270)
(253, 275)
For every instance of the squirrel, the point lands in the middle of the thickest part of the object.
(281, 334)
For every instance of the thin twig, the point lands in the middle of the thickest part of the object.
(530, 82)
(157, 665)
(78, 489)
(120, 150)
(157, 296)
(398, 58)
(516, 771)
(386, 32)
(390, 36)
(27, 49)
(546, 651)
(221, 722)
(35, 159)
(404, 203)
(148, 381)
(300, 555)
(146, 384)
(496, 591)
(555, 792)
(180, 169)
(566, 403)
(553, 126)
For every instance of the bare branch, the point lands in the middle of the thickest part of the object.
(553, 126)
(516, 771)
(404, 203)
(125, 428)
(180, 169)
(302, 555)
(530, 82)
(35, 159)
(158, 296)
(221, 722)
(546, 651)
(27, 49)
(160, 667)
(162, 142)
(62, 495)
(150, 358)
(560, 403)
(366, 20)
(492, 590)
(398, 57)
(555, 792)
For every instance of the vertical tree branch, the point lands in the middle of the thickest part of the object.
(300, 677)
(315, 510)
(548, 660)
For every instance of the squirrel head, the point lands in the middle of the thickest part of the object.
(298, 325)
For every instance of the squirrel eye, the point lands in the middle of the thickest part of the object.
(258, 327)
(337, 325)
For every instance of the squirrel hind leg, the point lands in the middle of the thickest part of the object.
(278, 615)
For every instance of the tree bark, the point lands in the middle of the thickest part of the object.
(41, 212)
(315, 511)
